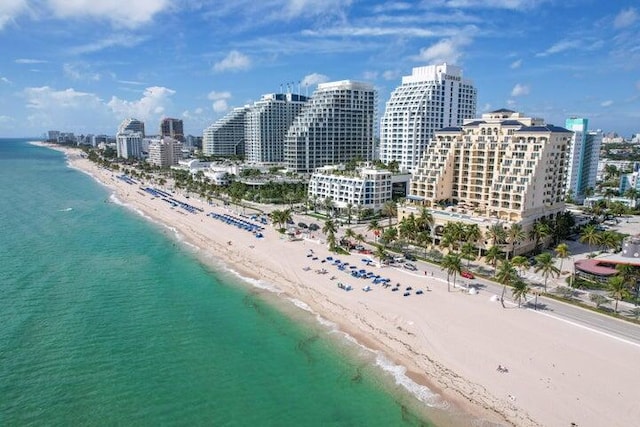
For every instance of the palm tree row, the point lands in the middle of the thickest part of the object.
(593, 236)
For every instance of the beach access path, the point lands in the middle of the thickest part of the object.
(453, 342)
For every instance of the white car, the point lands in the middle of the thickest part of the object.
(410, 266)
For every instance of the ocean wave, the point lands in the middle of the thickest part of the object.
(65, 210)
(421, 392)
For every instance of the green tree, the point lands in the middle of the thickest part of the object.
(520, 262)
(380, 253)
(468, 252)
(493, 255)
(617, 289)
(506, 275)
(562, 252)
(515, 235)
(375, 227)
(590, 235)
(520, 290)
(546, 264)
(496, 234)
(598, 299)
(330, 227)
(452, 264)
(389, 210)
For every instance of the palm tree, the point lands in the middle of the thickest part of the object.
(331, 240)
(380, 253)
(540, 230)
(496, 234)
(473, 235)
(389, 210)
(329, 206)
(520, 290)
(590, 235)
(375, 227)
(349, 234)
(425, 222)
(562, 252)
(468, 252)
(515, 234)
(349, 211)
(493, 255)
(545, 264)
(507, 275)
(329, 227)
(618, 289)
(520, 262)
(452, 263)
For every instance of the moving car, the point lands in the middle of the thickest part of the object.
(410, 266)
(467, 274)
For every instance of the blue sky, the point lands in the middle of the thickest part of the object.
(84, 65)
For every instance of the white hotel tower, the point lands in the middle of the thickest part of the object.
(431, 98)
(335, 126)
(266, 124)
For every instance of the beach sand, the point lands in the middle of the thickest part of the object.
(452, 342)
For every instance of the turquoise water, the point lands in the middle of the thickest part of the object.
(106, 320)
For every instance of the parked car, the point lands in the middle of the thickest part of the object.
(409, 257)
(410, 266)
(467, 274)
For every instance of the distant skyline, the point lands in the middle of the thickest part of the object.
(85, 65)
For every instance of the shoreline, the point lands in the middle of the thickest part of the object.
(449, 342)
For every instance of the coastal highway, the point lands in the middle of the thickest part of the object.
(563, 312)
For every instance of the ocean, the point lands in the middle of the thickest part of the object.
(107, 319)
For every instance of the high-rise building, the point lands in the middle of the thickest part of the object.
(226, 136)
(165, 152)
(131, 125)
(129, 145)
(266, 124)
(335, 126)
(431, 98)
(504, 168)
(172, 128)
(583, 157)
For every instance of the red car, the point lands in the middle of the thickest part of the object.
(467, 275)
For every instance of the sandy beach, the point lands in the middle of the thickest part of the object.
(452, 342)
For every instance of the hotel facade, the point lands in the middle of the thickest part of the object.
(364, 188)
(266, 124)
(432, 97)
(226, 137)
(504, 168)
(335, 126)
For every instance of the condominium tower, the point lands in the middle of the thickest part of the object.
(335, 126)
(502, 169)
(226, 137)
(165, 152)
(583, 157)
(131, 125)
(266, 124)
(172, 128)
(431, 98)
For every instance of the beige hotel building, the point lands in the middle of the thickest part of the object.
(504, 168)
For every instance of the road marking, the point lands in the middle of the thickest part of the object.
(588, 328)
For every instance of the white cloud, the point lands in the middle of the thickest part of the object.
(233, 61)
(219, 99)
(5, 80)
(494, 4)
(294, 8)
(29, 61)
(9, 9)
(66, 109)
(516, 64)
(607, 103)
(520, 90)
(80, 72)
(446, 50)
(6, 119)
(390, 74)
(113, 40)
(625, 18)
(370, 75)
(561, 46)
(154, 102)
(314, 79)
(122, 13)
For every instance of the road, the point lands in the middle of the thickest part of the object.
(580, 317)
